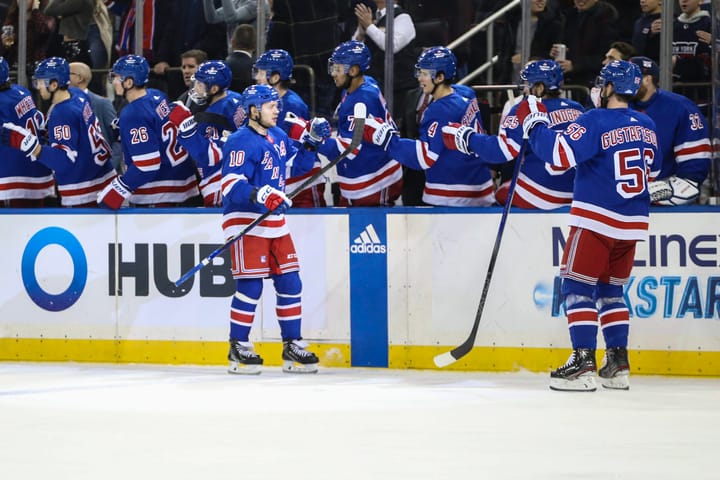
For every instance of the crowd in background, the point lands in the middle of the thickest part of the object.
(179, 35)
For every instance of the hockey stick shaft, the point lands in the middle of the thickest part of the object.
(354, 143)
(447, 358)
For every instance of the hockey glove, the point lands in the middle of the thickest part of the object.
(457, 137)
(114, 194)
(21, 138)
(183, 119)
(298, 127)
(378, 132)
(319, 132)
(531, 112)
(273, 199)
(673, 191)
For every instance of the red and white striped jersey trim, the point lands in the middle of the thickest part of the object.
(540, 196)
(292, 183)
(563, 155)
(425, 157)
(210, 187)
(273, 226)
(147, 162)
(165, 191)
(366, 185)
(82, 193)
(608, 223)
(693, 150)
(33, 188)
(459, 195)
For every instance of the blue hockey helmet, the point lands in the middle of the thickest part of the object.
(4, 71)
(348, 54)
(625, 77)
(437, 59)
(257, 95)
(547, 72)
(214, 72)
(276, 60)
(53, 68)
(132, 66)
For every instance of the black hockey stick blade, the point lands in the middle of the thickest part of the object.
(448, 358)
(360, 113)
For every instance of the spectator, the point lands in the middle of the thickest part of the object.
(80, 77)
(628, 11)
(691, 43)
(242, 57)
(189, 63)
(75, 16)
(589, 28)
(307, 29)
(546, 26)
(372, 32)
(646, 31)
(78, 154)
(234, 13)
(158, 172)
(683, 138)
(618, 51)
(40, 28)
(184, 29)
(23, 182)
(369, 177)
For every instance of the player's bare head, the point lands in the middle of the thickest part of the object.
(262, 105)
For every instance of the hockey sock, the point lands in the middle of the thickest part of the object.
(614, 321)
(242, 307)
(288, 288)
(582, 321)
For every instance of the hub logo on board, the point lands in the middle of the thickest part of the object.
(368, 242)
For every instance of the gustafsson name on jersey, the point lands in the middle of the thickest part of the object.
(368, 242)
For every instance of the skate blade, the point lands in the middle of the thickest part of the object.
(583, 383)
(620, 381)
(238, 368)
(295, 367)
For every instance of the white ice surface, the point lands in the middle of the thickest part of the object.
(136, 422)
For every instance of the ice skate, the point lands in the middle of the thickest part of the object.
(615, 371)
(243, 359)
(298, 360)
(578, 373)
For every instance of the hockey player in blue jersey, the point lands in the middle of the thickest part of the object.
(683, 135)
(78, 153)
(158, 173)
(204, 133)
(369, 176)
(256, 160)
(275, 68)
(452, 178)
(615, 152)
(23, 182)
(539, 184)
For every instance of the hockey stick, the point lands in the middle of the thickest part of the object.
(447, 358)
(360, 113)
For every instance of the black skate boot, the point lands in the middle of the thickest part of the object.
(298, 360)
(578, 373)
(243, 359)
(615, 370)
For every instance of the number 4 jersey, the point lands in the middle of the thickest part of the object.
(615, 153)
